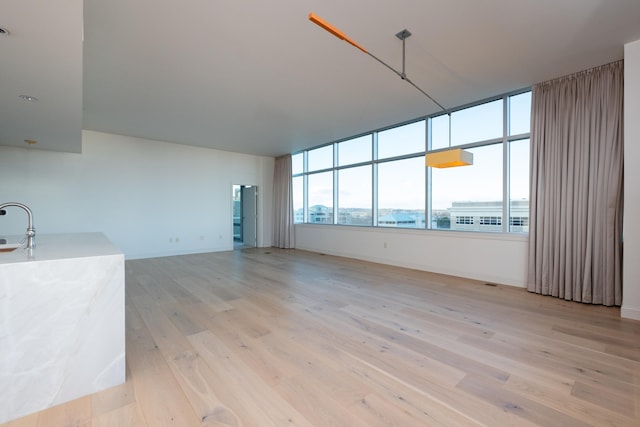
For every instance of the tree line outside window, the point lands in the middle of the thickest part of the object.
(379, 179)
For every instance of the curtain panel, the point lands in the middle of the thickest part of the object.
(575, 233)
(283, 229)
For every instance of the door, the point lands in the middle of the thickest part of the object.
(249, 226)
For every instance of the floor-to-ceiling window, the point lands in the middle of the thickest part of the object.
(380, 178)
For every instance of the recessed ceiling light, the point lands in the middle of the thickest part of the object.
(4, 32)
(28, 98)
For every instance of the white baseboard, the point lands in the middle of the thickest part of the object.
(629, 313)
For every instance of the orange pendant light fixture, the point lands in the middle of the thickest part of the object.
(449, 158)
(440, 159)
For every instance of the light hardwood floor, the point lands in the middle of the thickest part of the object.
(268, 337)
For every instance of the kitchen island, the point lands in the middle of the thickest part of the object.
(62, 330)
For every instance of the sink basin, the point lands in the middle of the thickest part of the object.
(9, 247)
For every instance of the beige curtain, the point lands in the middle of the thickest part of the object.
(575, 233)
(283, 230)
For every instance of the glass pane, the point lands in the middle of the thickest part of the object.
(401, 193)
(320, 158)
(519, 186)
(355, 150)
(519, 113)
(469, 197)
(298, 199)
(439, 132)
(321, 198)
(354, 196)
(237, 217)
(406, 139)
(477, 123)
(297, 163)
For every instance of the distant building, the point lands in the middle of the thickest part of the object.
(464, 216)
(355, 216)
(319, 214)
(487, 216)
(440, 219)
(397, 220)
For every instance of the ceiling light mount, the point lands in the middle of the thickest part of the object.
(28, 98)
(403, 34)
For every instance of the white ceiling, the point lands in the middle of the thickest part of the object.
(258, 77)
(41, 57)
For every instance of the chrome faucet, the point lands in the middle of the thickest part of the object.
(31, 232)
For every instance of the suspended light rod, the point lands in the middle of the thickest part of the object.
(402, 35)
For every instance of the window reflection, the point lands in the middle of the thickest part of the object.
(321, 198)
(401, 140)
(401, 193)
(353, 151)
(320, 158)
(354, 196)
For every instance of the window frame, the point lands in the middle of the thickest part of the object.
(505, 140)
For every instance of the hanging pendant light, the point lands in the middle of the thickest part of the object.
(439, 159)
(333, 30)
(449, 157)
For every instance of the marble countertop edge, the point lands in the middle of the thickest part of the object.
(51, 247)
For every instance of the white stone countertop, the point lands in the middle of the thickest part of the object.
(62, 329)
(58, 246)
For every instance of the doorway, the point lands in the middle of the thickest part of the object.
(245, 216)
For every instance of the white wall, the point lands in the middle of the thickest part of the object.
(495, 258)
(140, 193)
(631, 270)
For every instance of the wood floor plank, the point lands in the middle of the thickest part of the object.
(202, 292)
(434, 352)
(378, 410)
(573, 366)
(269, 409)
(75, 413)
(280, 361)
(317, 365)
(196, 378)
(254, 356)
(317, 406)
(524, 408)
(415, 371)
(415, 401)
(113, 398)
(546, 394)
(124, 416)
(620, 403)
(166, 405)
(28, 421)
(178, 314)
